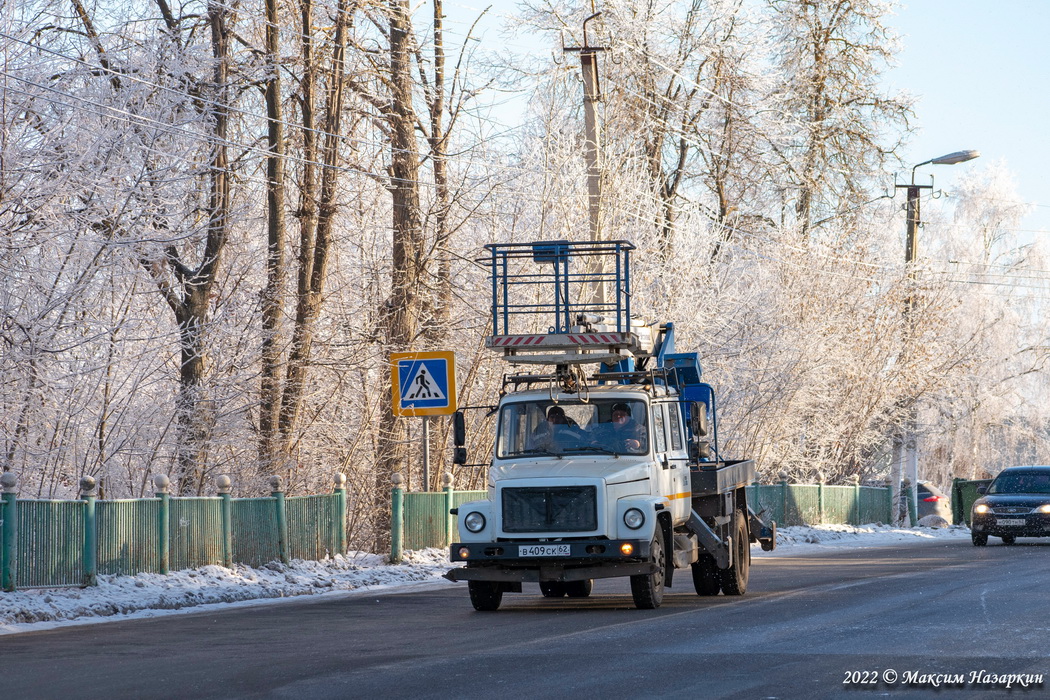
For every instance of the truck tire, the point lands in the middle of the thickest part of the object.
(1009, 539)
(648, 589)
(706, 580)
(978, 540)
(734, 579)
(579, 589)
(485, 595)
(553, 589)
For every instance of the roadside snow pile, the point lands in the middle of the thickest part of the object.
(146, 595)
(798, 539)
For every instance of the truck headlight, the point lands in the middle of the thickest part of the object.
(475, 522)
(982, 508)
(1045, 508)
(634, 518)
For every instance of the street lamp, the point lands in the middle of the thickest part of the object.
(910, 248)
(910, 453)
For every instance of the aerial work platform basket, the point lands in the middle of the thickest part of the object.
(564, 302)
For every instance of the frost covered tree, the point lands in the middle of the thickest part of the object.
(839, 130)
(988, 411)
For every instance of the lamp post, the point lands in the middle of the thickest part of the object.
(904, 443)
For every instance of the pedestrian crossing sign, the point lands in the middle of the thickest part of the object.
(424, 383)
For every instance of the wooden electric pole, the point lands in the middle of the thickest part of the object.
(592, 150)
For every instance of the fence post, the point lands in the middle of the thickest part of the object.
(9, 531)
(161, 484)
(340, 520)
(856, 499)
(225, 484)
(397, 519)
(277, 491)
(892, 519)
(784, 496)
(446, 482)
(87, 493)
(957, 502)
(909, 488)
(820, 498)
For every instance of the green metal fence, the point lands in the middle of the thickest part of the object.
(256, 520)
(127, 533)
(45, 543)
(422, 520)
(49, 552)
(813, 504)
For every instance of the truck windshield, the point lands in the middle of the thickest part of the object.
(600, 426)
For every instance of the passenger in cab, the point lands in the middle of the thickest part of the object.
(622, 433)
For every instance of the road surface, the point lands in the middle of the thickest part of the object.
(854, 623)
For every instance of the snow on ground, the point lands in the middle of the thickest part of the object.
(802, 539)
(150, 595)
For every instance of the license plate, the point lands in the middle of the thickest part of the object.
(1007, 522)
(544, 550)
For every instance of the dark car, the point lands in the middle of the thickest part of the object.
(1016, 504)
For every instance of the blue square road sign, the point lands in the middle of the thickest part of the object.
(424, 383)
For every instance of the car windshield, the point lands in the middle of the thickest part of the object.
(600, 426)
(1021, 482)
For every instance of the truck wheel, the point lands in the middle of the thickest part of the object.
(1009, 539)
(978, 540)
(552, 589)
(705, 576)
(485, 595)
(579, 589)
(648, 589)
(734, 579)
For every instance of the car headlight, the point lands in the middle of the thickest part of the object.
(1045, 508)
(475, 522)
(981, 508)
(634, 518)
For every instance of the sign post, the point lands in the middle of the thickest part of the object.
(424, 385)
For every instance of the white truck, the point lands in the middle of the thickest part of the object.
(613, 473)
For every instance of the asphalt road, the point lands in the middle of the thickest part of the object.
(807, 626)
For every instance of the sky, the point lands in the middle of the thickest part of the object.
(979, 69)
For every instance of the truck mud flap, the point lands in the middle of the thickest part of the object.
(767, 532)
(711, 543)
(548, 573)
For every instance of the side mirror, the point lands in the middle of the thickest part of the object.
(459, 438)
(698, 423)
(982, 489)
(459, 429)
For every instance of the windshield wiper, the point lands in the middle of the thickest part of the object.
(593, 448)
(538, 451)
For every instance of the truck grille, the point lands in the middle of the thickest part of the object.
(550, 509)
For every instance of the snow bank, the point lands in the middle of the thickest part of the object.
(148, 595)
(801, 539)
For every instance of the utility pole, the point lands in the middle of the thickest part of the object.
(905, 452)
(592, 151)
(905, 455)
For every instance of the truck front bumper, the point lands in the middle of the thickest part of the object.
(587, 559)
